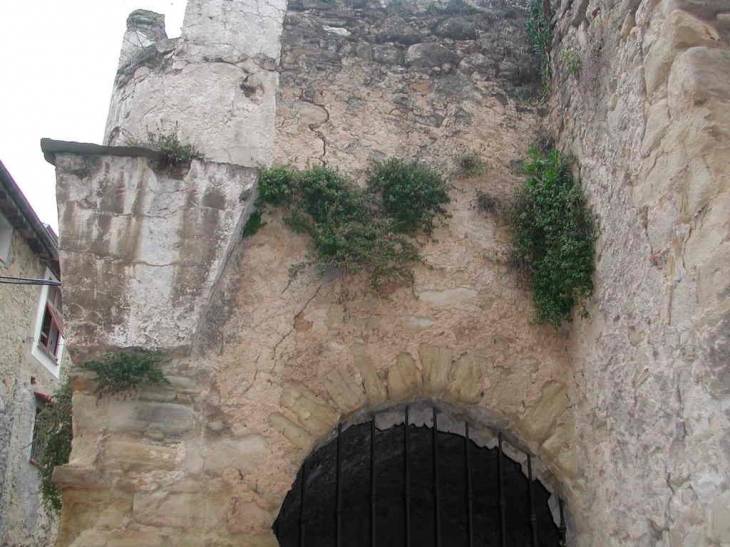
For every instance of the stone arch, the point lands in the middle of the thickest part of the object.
(340, 462)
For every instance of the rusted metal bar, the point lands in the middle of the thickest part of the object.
(338, 510)
(372, 482)
(407, 484)
(436, 504)
(502, 508)
(533, 516)
(469, 499)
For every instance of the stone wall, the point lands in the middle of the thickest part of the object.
(279, 361)
(22, 520)
(626, 410)
(647, 120)
(146, 245)
(214, 87)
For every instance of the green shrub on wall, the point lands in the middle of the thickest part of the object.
(54, 433)
(124, 371)
(554, 238)
(360, 229)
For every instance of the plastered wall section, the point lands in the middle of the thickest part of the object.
(214, 87)
(145, 246)
(22, 519)
(647, 120)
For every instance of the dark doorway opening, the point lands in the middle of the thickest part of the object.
(425, 489)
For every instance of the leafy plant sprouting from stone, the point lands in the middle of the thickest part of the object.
(361, 229)
(572, 61)
(173, 153)
(54, 433)
(124, 371)
(540, 36)
(469, 165)
(554, 238)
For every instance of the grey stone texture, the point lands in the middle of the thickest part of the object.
(647, 121)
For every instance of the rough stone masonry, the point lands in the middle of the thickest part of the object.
(625, 412)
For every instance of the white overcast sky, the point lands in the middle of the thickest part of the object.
(57, 65)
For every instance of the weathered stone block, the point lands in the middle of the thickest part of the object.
(465, 378)
(132, 456)
(404, 379)
(244, 454)
(311, 411)
(539, 421)
(167, 418)
(344, 390)
(167, 509)
(295, 434)
(435, 365)
(374, 387)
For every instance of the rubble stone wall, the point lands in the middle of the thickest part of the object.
(647, 119)
(22, 519)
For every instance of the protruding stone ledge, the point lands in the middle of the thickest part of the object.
(51, 148)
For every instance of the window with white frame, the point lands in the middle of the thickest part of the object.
(6, 236)
(48, 340)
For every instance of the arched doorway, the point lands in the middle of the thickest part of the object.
(429, 487)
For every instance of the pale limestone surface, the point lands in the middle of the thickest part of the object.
(22, 519)
(647, 119)
(148, 243)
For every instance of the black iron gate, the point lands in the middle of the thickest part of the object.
(519, 516)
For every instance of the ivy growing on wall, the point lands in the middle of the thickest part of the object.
(357, 229)
(122, 372)
(54, 431)
(554, 238)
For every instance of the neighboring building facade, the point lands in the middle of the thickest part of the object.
(32, 362)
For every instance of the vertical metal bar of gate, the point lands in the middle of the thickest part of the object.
(562, 523)
(533, 516)
(302, 495)
(372, 482)
(502, 527)
(407, 484)
(338, 508)
(436, 504)
(469, 501)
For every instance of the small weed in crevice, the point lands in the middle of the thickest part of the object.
(125, 371)
(54, 433)
(173, 153)
(469, 165)
(553, 238)
(573, 63)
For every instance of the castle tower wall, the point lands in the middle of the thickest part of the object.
(215, 87)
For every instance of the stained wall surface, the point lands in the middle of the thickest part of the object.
(22, 519)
